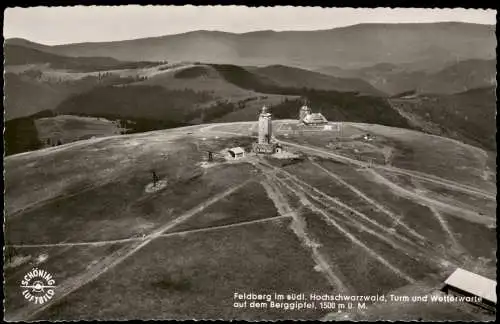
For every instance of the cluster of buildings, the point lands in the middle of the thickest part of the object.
(265, 143)
(472, 287)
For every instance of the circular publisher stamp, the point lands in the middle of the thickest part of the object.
(38, 286)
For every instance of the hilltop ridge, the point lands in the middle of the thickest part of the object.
(359, 45)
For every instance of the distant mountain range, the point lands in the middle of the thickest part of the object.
(418, 46)
(452, 78)
(38, 81)
(439, 78)
(29, 54)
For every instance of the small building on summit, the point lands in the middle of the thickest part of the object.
(236, 153)
(307, 117)
(463, 283)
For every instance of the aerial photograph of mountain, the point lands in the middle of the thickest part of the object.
(249, 163)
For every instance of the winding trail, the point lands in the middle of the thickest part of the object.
(303, 185)
(414, 248)
(453, 210)
(408, 247)
(395, 218)
(140, 239)
(298, 226)
(112, 260)
(325, 206)
(330, 220)
(421, 176)
(442, 221)
(418, 175)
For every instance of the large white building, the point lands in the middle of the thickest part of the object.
(307, 117)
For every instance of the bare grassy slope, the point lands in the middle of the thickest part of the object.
(25, 95)
(467, 116)
(460, 77)
(321, 224)
(67, 128)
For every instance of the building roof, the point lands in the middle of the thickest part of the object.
(237, 150)
(315, 118)
(474, 284)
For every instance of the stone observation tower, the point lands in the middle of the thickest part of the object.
(265, 126)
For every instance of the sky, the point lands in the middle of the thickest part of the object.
(62, 25)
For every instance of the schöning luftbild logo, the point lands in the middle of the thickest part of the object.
(38, 286)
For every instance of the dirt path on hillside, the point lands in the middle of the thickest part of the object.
(416, 174)
(110, 261)
(298, 226)
(419, 175)
(140, 239)
(45, 202)
(334, 212)
(311, 190)
(380, 207)
(442, 221)
(466, 214)
(414, 248)
(330, 220)
(418, 250)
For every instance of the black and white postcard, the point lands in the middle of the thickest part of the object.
(249, 163)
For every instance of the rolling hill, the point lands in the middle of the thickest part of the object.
(119, 180)
(450, 78)
(160, 94)
(422, 46)
(469, 116)
(38, 81)
(322, 222)
(461, 77)
(25, 55)
(290, 77)
(155, 96)
(26, 94)
(220, 90)
(36, 89)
